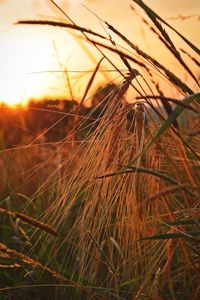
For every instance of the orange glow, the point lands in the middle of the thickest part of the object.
(12, 90)
(27, 50)
(20, 58)
(32, 59)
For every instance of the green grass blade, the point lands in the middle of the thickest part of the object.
(182, 222)
(135, 169)
(166, 236)
(173, 117)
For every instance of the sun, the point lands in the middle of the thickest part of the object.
(12, 88)
(13, 62)
(33, 62)
(23, 52)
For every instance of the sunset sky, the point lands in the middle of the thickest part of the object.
(29, 54)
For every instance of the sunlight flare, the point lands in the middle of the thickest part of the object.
(24, 52)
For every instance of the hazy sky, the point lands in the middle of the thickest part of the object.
(28, 49)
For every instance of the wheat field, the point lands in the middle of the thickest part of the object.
(110, 210)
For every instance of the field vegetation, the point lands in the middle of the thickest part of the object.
(103, 202)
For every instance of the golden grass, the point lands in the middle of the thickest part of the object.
(125, 199)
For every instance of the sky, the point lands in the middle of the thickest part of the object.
(32, 58)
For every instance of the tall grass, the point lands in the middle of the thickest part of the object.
(122, 221)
